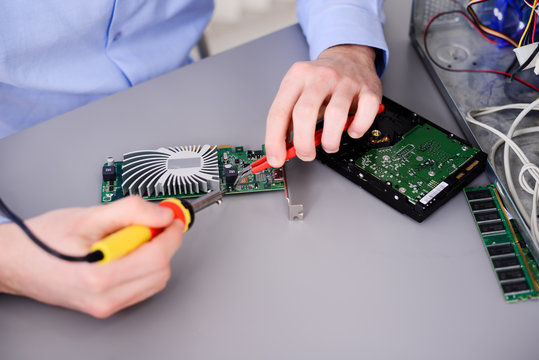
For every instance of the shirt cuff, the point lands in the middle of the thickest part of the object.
(345, 24)
(4, 220)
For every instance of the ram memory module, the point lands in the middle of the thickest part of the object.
(516, 269)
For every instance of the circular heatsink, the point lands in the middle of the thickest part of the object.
(171, 171)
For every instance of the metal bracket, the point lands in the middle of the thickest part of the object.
(295, 211)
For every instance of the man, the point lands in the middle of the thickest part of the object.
(57, 55)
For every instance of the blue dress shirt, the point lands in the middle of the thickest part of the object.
(57, 55)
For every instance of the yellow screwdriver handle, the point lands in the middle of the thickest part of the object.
(128, 239)
(122, 242)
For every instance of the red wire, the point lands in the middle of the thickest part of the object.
(470, 21)
(499, 73)
(534, 25)
(476, 21)
(467, 70)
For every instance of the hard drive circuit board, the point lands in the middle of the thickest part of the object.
(407, 161)
(418, 163)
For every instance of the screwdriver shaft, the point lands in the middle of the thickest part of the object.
(209, 199)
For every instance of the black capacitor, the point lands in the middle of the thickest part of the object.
(231, 174)
(109, 173)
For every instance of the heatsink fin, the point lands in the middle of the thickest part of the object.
(171, 171)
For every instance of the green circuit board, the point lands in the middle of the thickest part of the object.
(112, 190)
(515, 268)
(266, 180)
(228, 158)
(418, 164)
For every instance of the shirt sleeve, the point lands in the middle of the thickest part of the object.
(327, 23)
(3, 220)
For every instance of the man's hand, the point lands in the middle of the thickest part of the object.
(342, 80)
(99, 290)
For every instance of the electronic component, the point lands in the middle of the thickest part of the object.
(231, 172)
(486, 215)
(186, 171)
(483, 205)
(377, 138)
(515, 267)
(278, 174)
(179, 170)
(528, 57)
(109, 173)
(407, 161)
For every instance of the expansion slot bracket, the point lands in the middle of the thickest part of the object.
(295, 211)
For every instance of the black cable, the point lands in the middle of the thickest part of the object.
(527, 62)
(91, 257)
(513, 65)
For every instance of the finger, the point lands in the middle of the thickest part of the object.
(162, 247)
(150, 257)
(367, 109)
(336, 115)
(149, 286)
(304, 116)
(120, 297)
(279, 116)
(139, 275)
(103, 220)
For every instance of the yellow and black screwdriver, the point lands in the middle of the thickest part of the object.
(128, 239)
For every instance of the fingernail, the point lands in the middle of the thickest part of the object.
(354, 135)
(330, 151)
(305, 157)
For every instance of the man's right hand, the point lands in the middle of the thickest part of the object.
(99, 290)
(342, 80)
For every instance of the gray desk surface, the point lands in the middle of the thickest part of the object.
(354, 280)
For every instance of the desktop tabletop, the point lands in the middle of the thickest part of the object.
(354, 279)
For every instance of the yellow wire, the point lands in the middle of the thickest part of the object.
(486, 29)
(529, 22)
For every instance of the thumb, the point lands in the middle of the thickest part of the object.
(132, 210)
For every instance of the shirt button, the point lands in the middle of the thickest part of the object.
(117, 36)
